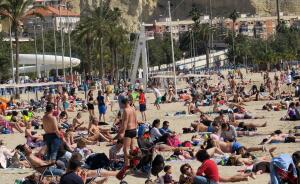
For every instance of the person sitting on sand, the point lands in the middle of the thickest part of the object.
(77, 122)
(14, 121)
(96, 133)
(38, 163)
(33, 139)
(208, 172)
(291, 113)
(63, 119)
(192, 109)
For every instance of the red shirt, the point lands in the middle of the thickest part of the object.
(142, 99)
(210, 170)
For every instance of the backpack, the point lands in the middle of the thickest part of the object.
(158, 165)
(97, 161)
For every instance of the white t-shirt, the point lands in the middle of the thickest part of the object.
(155, 134)
(156, 92)
(289, 79)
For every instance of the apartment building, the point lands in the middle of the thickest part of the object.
(56, 16)
(253, 26)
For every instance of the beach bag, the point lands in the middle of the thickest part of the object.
(187, 144)
(173, 141)
(158, 165)
(97, 161)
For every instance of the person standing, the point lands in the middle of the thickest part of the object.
(101, 105)
(65, 98)
(85, 89)
(289, 81)
(157, 96)
(142, 103)
(127, 134)
(90, 104)
(52, 134)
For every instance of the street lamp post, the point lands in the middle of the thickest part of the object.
(43, 47)
(35, 47)
(70, 47)
(62, 43)
(172, 47)
(11, 52)
(54, 35)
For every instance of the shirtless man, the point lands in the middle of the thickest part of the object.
(37, 163)
(127, 133)
(52, 134)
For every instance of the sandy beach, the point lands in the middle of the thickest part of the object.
(8, 176)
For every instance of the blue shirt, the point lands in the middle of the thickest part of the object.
(165, 131)
(100, 100)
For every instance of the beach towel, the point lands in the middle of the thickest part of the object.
(173, 141)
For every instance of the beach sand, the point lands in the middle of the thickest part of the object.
(176, 124)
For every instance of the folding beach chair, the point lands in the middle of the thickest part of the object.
(41, 170)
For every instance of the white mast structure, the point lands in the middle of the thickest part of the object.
(140, 49)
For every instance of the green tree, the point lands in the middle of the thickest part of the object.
(202, 32)
(233, 16)
(15, 11)
(94, 28)
(4, 59)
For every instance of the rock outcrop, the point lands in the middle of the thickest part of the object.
(134, 11)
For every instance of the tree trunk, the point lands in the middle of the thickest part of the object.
(207, 56)
(117, 65)
(88, 49)
(102, 61)
(113, 64)
(17, 49)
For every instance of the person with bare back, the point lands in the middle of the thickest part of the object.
(127, 133)
(52, 134)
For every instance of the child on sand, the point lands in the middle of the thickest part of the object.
(168, 176)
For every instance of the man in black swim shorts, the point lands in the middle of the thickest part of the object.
(130, 133)
(127, 133)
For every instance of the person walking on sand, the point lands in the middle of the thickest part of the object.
(127, 133)
(157, 96)
(52, 134)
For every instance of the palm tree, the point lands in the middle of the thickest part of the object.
(95, 26)
(202, 31)
(115, 38)
(16, 11)
(233, 16)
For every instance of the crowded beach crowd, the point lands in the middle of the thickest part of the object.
(56, 144)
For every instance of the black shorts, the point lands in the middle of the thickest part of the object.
(90, 106)
(130, 133)
(290, 140)
(143, 107)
